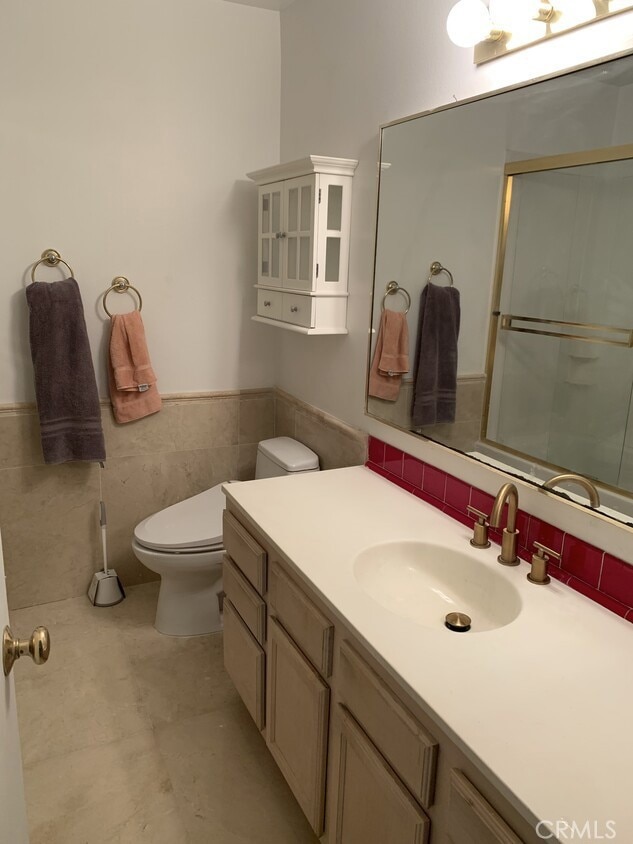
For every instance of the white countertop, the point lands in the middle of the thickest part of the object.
(542, 704)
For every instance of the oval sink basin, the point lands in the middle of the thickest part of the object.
(424, 582)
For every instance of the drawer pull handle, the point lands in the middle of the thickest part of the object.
(280, 235)
(294, 309)
(267, 303)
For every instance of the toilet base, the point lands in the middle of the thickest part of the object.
(189, 606)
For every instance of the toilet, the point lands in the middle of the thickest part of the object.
(183, 544)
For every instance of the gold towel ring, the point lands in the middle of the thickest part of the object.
(392, 288)
(121, 284)
(52, 258)
(436, 268)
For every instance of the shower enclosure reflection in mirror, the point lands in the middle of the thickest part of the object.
(527, 195)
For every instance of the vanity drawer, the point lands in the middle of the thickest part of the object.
(246, 553)
(471, 819)
(245, 600)
(394, 731)
(310, 629)
(244, 661)
(269, 304)
(297, 309)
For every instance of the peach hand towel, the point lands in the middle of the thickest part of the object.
(391, 356)
(133, 390)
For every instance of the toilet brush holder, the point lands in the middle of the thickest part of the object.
(106, 589)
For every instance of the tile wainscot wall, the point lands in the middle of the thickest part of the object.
(49, 515)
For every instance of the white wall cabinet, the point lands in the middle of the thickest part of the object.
(303, 225)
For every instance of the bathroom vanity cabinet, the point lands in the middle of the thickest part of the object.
(366, 764)
(304, 221)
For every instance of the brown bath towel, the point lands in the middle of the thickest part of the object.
(435, 369)
(133, 389)
(391, 356)
(65, 386)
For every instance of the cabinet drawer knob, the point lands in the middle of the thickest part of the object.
(267, 303)
(280, 235)
(294, 309)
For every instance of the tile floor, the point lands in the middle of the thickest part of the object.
(132, 737)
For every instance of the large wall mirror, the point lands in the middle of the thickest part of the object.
(505, 231)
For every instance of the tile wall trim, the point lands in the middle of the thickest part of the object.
(593, 572)
(30, 407)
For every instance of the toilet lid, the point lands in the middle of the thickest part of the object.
(194, 523)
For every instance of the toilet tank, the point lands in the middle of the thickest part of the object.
(284, 456)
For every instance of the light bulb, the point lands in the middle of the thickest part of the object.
(468, 23)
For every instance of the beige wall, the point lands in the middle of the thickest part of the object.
(49, 515)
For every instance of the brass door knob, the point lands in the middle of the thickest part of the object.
(38, 647)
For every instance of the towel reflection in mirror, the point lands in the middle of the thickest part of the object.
(435, 364)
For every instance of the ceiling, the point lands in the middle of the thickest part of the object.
(276, 5)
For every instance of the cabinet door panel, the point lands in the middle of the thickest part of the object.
(270, 218)
(298, 713)
(244, 661)
(299, 226)
(373, 807)
(472, 820)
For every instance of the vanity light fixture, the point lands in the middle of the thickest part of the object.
(497, 27)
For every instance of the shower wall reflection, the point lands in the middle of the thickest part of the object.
(569, 257)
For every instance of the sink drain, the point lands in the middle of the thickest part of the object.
(458, 622)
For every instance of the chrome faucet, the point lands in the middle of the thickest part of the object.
(509, 493)
(589, 488)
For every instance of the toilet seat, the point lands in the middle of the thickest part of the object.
(188, 527)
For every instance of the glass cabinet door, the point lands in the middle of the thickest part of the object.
(299, 201)
(270, 234)
(334, 232)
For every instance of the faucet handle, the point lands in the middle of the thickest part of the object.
(480, 530)
(538, 573)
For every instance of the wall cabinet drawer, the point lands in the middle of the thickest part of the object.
(311, 630)
(246, 553)
(471, 819)
(297, 309)
(372, 806)
(269, 304)
(245, 599)
(298, 718)
(244, 661)
(394, 731)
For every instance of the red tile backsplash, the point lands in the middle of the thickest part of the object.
(546, 534)
(413, 470)
(585, 568)
(434, 482)
(376, 451)
(457, 494)
(582, 560)
(617, 579)
(393, 460)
